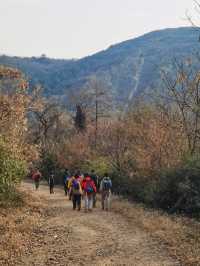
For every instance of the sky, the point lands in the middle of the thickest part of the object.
(77, 28)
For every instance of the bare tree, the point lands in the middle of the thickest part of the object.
(100, 101)
(183, 97)
(95, 100)
(44, 124)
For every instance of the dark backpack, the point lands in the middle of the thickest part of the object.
(95, 179)
(75, 184)
(89, 187)
(107, 184)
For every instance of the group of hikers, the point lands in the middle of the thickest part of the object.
(80, 187)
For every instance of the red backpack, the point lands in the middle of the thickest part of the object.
(89, 186)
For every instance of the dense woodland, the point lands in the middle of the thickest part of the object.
(151, 150)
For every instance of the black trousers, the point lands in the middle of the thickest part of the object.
(51, 189)
(37, 183)
(65, 189)
(94, 199)
(77, 201)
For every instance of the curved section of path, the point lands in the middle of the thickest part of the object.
(68, 237)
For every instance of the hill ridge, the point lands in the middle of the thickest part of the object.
(117, 65)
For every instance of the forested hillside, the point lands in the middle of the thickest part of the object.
(127, 68)
(150, 150)
(99, 133)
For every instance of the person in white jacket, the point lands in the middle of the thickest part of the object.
(105, 190)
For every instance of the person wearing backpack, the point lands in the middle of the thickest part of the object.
(94, 177)
(76, 192)
(51, 183)
(105, 189)
(69, 186)
(89, 189)
(66, 178)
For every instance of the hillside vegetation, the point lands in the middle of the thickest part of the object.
(128, 68)
(150, 148)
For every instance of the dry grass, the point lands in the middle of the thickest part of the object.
(16, 227)
(180, 236)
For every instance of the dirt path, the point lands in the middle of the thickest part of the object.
(68, 237)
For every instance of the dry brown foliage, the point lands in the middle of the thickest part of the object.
(14, 104)
(180, 236)
(157, 140)
(144, 140)
(16, 228)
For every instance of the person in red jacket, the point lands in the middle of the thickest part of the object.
(89, 189)
(36, 176)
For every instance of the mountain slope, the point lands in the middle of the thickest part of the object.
(128, 68)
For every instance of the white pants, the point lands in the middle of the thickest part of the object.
(88, 201)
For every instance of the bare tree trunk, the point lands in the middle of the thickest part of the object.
(96, 121)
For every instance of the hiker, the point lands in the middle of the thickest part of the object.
(94, 177)
(36, 177)
(105, 189)
(69, 186)
(76, 191)
(66, 178)
(89, 188)
(51, 183)
(80, 176)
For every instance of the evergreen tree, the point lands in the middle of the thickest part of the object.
(80, 119)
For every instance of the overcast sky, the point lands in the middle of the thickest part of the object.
(76, 28)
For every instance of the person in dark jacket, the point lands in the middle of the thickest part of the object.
(94, 177)
(51, 183)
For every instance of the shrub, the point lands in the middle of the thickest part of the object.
(138, 188)
(179, 189)
(12, 198)
(12, 170)
(99, 164)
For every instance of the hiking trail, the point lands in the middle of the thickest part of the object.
(68, 237)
